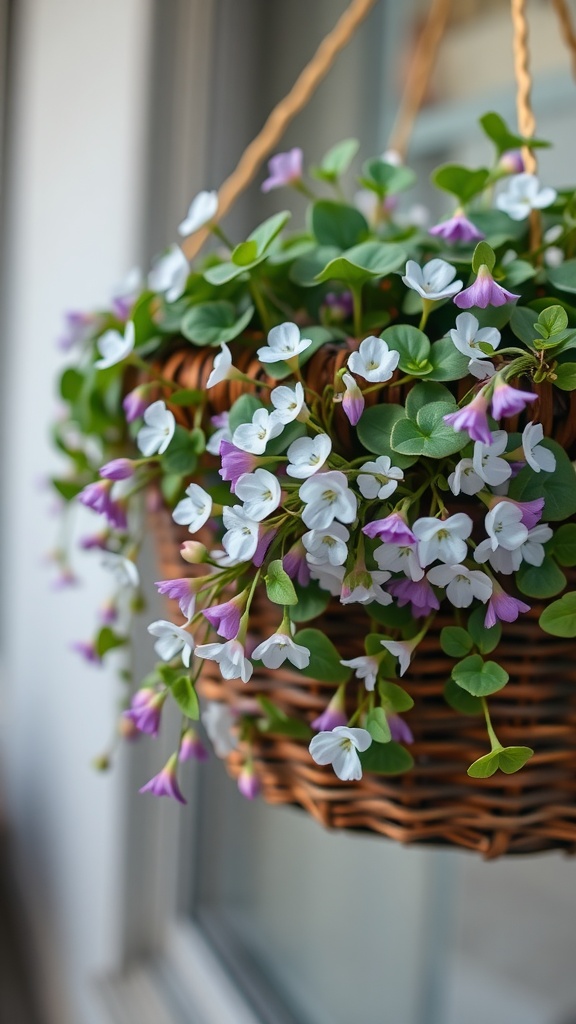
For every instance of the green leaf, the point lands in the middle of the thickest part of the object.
(447, 362)
(386, 759)
(484, 767)
(324, 658)
(559, 618)
(429, 435)
(386, 179)
(305, 270)
(108, 640)
(485, 638)
(425, 393)
(558, 488)
(517, 272)
(498, 227)
(542, 581)
(413, 346)
(503, 138)
(363, 262)
(479, 677)
(171, 486)
(391, 615)
(181, 455)
(553, 320)
(455, 641)
(563, 544)
(212, 323)
(187, 396)
(375, 429)
(564, 276)
(507, 759)
(276, 721)
(71, 384)
(377, 725)
(311, 602)
(460, 181)
(483, 256)
(460, 701)
(522, 323)
(243, 410)
(566, 376)
(185, 696)
(266, 232)
(336, 161)
(222, 273)
(337, 224)
(67, 489)
(244, 254)
(394, 697)
(292, 431)
(279, 586)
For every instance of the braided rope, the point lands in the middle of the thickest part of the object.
(526, 119)
(566, 29)
(276, 124)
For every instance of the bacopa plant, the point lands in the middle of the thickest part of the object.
(415, 477)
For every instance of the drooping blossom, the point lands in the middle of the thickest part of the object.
(502, 607)
(433, 281)
(253, 437)
(235, 462)
(284, 342)
(335, 713)
(457, 229)
(399, 729)
(78, 328)
(222, 368)
(507, 401)
(400, 558)
(169, 275)
(265, 537)
(191, 747)
(295, 565)
(279, 648)
(219, 721)
(462, 584)
(172, 640)
(288, 403)
(260, 492)
(443, 539)
(283, 169)
(329, 545)
(202, 209)
(87, 650)
(537, 456)
(339, 747)
(249, 784)
(307, 455)
(222, 432)
(379, 479)
(166, 782)
(362, 587)
(391, 529)
(194, 510)
(487, 462)
(365, 668)
(156, 435)
(225, 617)
(353, 401)
(135, 403)
(118, 469)
(115, 347)
(484, 292)
(373, 361)
(241, 538)
(329, 577)
(417, 593)
(326, 497)
(146, 709)
(182, 590)
(124, 570)
(401, 649)
(231, 658)
(531, 510)
(472, 418)
(98, 497)
(523, 194)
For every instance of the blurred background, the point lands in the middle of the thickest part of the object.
(115, 908)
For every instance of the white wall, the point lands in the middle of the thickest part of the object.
(75, 193)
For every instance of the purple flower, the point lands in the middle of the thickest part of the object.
(225, 618)
(95, 540)
(265, 538)
(192, 748)
(418, 593)
(79, 327)
(235, 462)
(457, 229)
(531, 510)
(353, 400)
(294, 563)
(145, 710)
(166, 782)
(182, 590)
(135, 403)
(248, 783)
(86, 650)
(283, 169)
(108, 613)
(473, 419)
(507, 401)
(401, 731)
(502, 607)
(220, 420)
(333, 715)
(511, 162)
(65, 579)
(484, 292)
(340, 305)
(97, 497)
(118, 469)
(393, 528)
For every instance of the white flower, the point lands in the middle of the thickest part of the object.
(218, 720)
(172, 640)
(253, 437)
(433, 281)
(130, 285)
(327, 497)
(231, 658)
(123, 569)
(193, 510)
(365, 667)
(339, 747)
(159, 430)
(222, 433)
(329, 577)
(401, 649)
(220, 367)
(170, 274)
(327, 545)
(523, 194)
(532, 550)
(362, 594)
(379, 479)
(202, 209)
(284, 342)
(114, 347)
(443, 539)
(481, 369)
(462, 584)
(505, 529)
(399, 558)
(260, 492)
(274, 651)
(500, 560)
(467, 338)
(374, 361)
(241, 540)
(307, 455)
(288, 403)
(464, 480)
(491, 469)
(537, 457)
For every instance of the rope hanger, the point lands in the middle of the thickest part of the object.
(411, 101)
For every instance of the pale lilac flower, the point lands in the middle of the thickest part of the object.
(433, 281)
(400, 558)
(253, 437)
(457, 229)
(326, 497)
(283, 169)
(191, 747)
(265, 537)
(203, 208)
(222, 433)
(225, 618)
(169, 275)
(379, 479)
(288, 403)
(241, 538)
(98, 497)
(146, 709)
(373, 361)
(352, 400)
(235, 462)
(295, 565)
(524, 194)
(280, 647)
(230, 657)
(401, 649)
(473, 419)
(400, 730)
(248, 783)
(334, 714)
(365, 668)
(166, 782)
(108, 613)
(462, 584)
(531, 510)
(465, 479)
(484, 292)
(502, 607)
(219, 721)
(222, 368)
(135, 403)
(488, 466)
(156, 435)
(194, 510)
(507, 401)
(467, 336)
(118, 469)
(329, 545)
(537, 457)
(260, 492)
(284, 342)
(115, 347)
(416, 592)
(79, 327)
(87, 650)
(443, 539)
(172, 640)
(392, 529)
(339, 747)
(123, 569)
(182, 590)
(307, 455)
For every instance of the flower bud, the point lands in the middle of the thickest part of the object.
(193, 552)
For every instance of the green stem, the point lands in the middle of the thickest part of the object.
(494, 741)
(260, 305)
